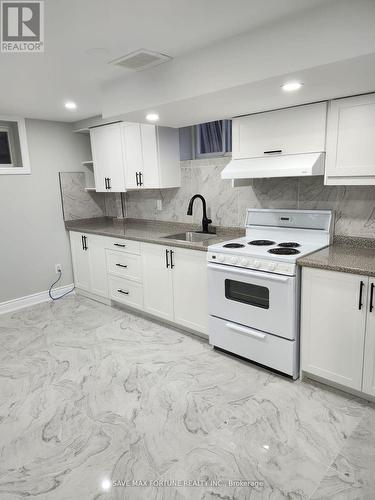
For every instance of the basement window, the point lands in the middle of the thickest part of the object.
(213, 139)
(14, 157)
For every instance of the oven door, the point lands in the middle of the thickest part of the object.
(256, 299)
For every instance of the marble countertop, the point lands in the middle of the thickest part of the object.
(355, 256)
(149, 231)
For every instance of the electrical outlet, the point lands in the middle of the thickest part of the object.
(159, 205)
(58, 268)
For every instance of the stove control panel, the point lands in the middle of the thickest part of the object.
(257, 264)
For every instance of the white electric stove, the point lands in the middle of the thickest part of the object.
(254, 285)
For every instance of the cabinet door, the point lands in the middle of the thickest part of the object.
(288, 131)
(150, 170)
(369, 359)
(98, 269)
(157, 280)
(81, 262)
(333, 325)
(190, 289)
(350, 141)
(131, 135)
(107, 154)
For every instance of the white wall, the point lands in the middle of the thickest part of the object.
(32, 233)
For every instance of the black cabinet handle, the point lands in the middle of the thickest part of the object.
(372, 297)
(273, 152)
(121, 265)
(84, 242)
(166, 258)
(109, 183)
(119, 245)
(136, 178)
(123, 291)
(172, 265)
(360, 304)
(140, 179)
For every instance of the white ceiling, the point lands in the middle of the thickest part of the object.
(36, 85)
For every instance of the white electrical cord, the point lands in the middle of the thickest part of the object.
(53, 284)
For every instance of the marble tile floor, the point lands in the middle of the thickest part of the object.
(91, 395)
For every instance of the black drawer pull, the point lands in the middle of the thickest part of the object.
(172, 264)
(166, 259)
(273, 152)
(119, 245)
(136, 177)
(140, 179)
(360, 304)
(123, 291)
(121, 265)
(372, 297)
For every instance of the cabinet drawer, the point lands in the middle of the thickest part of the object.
(124, 265)
(278, 353)
(126, 291)
(119, 244)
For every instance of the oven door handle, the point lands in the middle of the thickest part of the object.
(246, 331)
(250, 272)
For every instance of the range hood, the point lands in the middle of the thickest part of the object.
(294, 165)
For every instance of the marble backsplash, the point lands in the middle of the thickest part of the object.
(77, 203)
(354, 206)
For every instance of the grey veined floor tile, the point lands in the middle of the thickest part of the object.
(91, 393)
(352, 474)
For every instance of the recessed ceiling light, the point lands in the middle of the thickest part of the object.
(152, 117)
(291, 86)
(70, 105)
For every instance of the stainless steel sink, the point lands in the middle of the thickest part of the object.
(191, 236)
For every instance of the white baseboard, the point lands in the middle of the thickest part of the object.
(30, 300)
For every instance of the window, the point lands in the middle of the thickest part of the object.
(5, 154)
(14, 156)
(213, 139)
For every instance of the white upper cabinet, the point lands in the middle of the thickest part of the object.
(131, 136)
(107, 154)
(152, 156)
(300, 129)
(135, 156)
(350, 141)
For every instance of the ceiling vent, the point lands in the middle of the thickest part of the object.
(140, 60)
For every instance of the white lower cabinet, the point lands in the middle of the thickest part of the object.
(157, 286)
(190, 289)
(175, 285)
(126, 291)
(167, 282)
(338, 328)
(369, 357)
(89, 263)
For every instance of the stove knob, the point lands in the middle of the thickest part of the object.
(220, 258)
(256, 263)
(272, 266)
(244, 262)
(234, 260)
